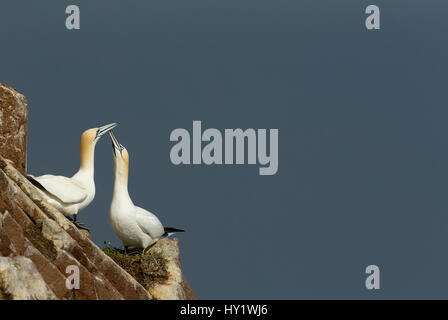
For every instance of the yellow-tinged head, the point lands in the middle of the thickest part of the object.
(89, 139)
(121, 158)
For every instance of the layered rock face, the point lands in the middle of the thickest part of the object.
(176, 286)
(31, 228)
(23, 280)
(39, 246)
(13, 129)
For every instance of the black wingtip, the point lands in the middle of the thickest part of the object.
(170, 230)
(35, 182)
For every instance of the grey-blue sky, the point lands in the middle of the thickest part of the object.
(361, 118)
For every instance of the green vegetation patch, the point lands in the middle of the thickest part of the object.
(147, 269)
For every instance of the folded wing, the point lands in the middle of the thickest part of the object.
(64, 189)
(149, 223)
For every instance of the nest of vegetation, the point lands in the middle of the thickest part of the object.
(147, 269)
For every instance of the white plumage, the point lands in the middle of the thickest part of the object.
(149, 223)
(71, 195)
(134, 226)
(68, 195)
(66, 190)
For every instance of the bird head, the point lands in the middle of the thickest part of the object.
(121, 155)
(89, 138)
(93, 135)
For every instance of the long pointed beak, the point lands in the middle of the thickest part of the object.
(115, 144)
(102, 130)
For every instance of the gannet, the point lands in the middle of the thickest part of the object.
(70, 195)
(134, 226)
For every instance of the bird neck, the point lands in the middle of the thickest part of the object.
(121, 180)
(87, 156)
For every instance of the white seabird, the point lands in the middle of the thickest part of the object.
(134, 226)
(70, 195)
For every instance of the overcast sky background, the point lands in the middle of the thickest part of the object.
(362, 119)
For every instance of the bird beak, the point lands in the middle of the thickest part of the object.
(115, 144)
(102, 130)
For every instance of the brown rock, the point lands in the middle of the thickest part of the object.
(50, 273)
(13, 126)
(60, 242)
(13, 232)
(6, 246)
(20, 280)
(189, 294)
(86, 233)
(176, 287)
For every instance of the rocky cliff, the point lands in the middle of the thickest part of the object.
(13, 129)
(39, 246)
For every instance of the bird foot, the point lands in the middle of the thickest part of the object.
(80, 225)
